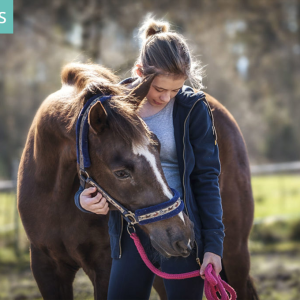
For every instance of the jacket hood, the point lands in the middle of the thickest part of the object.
(187, 97)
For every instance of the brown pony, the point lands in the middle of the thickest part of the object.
(237, 201)
(62, 238)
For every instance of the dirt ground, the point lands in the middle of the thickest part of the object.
(276, 276)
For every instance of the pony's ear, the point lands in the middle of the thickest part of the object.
(137, 95)
(97, 118)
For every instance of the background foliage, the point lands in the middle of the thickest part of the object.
(250, 50)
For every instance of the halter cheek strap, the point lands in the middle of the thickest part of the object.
(82, 131)
(142, 216)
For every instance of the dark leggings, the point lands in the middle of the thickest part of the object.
(130, 279)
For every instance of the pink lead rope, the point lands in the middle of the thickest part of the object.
(212, 283)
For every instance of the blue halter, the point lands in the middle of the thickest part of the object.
(141, 216)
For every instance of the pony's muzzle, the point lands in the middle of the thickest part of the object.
(182, 247)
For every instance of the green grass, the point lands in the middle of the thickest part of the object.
(276, 196)
(9, 221)
(7, 205)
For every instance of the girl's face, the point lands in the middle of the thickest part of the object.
(163, 89)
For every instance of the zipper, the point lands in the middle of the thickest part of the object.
(184, 200)
(120, 253)
(212, 119)
(197, 258)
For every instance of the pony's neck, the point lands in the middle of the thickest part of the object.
(55, 144)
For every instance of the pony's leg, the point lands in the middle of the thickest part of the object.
(238, 217)
(99, 276)
(237, 267)
(238, 213)
(159, 286)
(54, 280)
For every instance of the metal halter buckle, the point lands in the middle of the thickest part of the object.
(131, 217)
(130, 227)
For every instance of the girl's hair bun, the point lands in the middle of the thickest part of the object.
(166, 52)
(152, 26)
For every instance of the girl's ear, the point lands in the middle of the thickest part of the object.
(137, 95)
(139, 70)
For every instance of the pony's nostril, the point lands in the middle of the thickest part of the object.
(183, 248)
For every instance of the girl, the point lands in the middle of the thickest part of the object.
(190, 161)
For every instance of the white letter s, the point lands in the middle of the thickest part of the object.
(2, 17)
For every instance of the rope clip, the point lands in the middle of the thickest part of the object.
(130, 227)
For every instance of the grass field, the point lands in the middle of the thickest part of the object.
(7, 209)
(276, 196)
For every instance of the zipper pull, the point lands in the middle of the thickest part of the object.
(197, 258)
(198, 261)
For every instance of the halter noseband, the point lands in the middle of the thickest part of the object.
(141, 216)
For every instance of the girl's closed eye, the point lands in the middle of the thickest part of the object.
(161, 90)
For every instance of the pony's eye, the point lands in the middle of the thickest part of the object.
(122, 174)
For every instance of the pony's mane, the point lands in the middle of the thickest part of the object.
(91, 79)
(124, 121)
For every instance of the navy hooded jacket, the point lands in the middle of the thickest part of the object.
(199, 167)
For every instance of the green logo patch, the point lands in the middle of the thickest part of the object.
(6, 16)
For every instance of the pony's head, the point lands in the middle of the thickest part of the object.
(125, 162)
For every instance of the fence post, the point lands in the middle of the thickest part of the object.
(15, 167)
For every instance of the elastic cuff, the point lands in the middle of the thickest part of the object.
(77, 201)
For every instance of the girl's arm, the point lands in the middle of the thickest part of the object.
(205, 178)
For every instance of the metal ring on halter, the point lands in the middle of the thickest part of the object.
(85, 173)
(132, 227)
(131, 217)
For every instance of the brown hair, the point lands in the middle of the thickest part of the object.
(165, 52)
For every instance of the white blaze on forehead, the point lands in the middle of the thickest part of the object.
(143, 150)
(181, 217)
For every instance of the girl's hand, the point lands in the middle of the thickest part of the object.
(211, 258)
(97, 204)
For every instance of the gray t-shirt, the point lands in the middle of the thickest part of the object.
(161, 124)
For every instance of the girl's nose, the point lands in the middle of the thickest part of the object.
(165, 97)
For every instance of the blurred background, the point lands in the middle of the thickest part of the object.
(251, 54)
